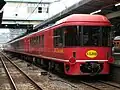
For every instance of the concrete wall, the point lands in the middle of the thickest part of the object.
(24, 11)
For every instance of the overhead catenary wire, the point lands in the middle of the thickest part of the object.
(34, 9)
(16, 9)
(38, 6)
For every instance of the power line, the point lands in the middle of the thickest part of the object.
(34, 9)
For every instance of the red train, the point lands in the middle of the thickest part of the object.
(79, 44)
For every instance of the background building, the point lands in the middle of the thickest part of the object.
(29, 12)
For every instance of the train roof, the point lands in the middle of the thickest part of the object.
(71, 18)
(84, 18)
(117, 38)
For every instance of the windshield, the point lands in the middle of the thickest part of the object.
(70, 36)
(96, 36)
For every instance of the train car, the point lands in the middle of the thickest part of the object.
(79, 44)
(116, 43)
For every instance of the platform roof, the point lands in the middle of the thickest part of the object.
(2, 3)
(1, 15)
(84, 6)
(31, 1)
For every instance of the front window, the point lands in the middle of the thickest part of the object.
(96, 36)
(91, 36)
(71, 36)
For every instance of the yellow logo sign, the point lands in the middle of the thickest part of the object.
(58, 50)
(91, 54)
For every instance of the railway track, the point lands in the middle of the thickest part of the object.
(101, 85)
(91, 85)
(16, 76)
(88, 84)
(96, 84)
(81, 84)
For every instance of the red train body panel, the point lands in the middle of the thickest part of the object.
(70, 42)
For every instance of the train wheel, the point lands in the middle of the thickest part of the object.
(59, 67)
(51, 66)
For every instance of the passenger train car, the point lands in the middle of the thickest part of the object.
(116, 42)
(79, 44)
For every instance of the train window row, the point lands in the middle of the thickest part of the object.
(18, 45)
(72, 36)
(37, 41)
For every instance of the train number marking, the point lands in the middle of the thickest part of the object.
(58, 50)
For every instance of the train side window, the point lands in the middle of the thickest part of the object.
(35, 41)
(31, 42)
(42, 41)
(58, 37)
(106, 37)
(39, 40)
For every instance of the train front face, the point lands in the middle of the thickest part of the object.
(116, 42)
(88, 50)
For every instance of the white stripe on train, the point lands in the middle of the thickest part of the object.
(56, 59)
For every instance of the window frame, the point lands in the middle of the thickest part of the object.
(56, 38)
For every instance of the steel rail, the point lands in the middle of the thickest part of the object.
(86, 83)
(90, 85)
(8, 74)
(33, 82)
(109, 84)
